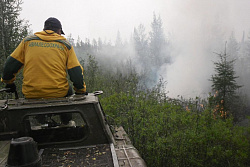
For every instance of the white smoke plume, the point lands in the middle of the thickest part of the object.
(199, 29)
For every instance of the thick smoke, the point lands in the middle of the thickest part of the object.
(199, 29)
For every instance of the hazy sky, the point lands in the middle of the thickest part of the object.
(103, 18)
(92, 18)
(190, 21)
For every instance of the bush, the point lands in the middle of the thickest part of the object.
(166, 134)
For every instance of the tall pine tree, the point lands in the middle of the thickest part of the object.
(12, 28)
(225, 85)
(158, 43)
(12, 31)
(141, 44)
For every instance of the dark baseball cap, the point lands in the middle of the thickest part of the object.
(53, 24)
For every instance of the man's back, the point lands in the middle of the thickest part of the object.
(45, 61)
(46, 57)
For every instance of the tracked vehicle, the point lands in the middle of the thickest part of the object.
(87, 140)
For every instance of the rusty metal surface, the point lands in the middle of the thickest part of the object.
(4, 150)
(127, 154)
(99, 155)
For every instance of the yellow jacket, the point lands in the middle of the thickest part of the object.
(46, 57)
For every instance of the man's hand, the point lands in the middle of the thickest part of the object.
(11, 88)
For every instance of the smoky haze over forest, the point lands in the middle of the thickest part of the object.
(203, 29)
(194, 30)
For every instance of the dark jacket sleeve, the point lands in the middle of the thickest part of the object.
(75, 72)
(11, 68)
(76, 76)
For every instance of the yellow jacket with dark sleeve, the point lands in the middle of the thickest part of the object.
(45, 57)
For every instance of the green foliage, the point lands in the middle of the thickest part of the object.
(166, 134)
(12, 28)
(225, 85)
(91, 74)
(110, 81)
(12, 31)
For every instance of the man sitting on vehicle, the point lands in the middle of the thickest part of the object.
(45, 57)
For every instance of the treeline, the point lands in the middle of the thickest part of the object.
(150, 51)
(169, 132)
(146, 51)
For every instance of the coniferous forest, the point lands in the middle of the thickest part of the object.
(167, 131)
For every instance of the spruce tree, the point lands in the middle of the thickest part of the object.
(12, 31)
(157, 42)
(141, 45)
(12, 28)
(225, 86)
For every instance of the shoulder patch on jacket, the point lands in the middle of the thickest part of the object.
(32, 37)
(65, 42)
